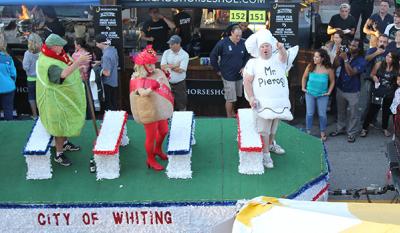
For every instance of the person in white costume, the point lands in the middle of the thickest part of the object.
(266, 88)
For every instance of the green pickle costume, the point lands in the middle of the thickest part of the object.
(62, 107)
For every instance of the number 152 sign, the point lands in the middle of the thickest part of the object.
(238, 16)
(253, 16)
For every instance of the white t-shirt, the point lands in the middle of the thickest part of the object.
(391, 30)
(270, 87)
(396, 101)
(182, 57)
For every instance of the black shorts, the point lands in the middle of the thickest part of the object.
(31, 90)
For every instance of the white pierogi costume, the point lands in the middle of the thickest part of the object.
(270, 84)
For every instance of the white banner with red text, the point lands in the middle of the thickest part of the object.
(187, 218)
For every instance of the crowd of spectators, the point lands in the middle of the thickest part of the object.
(366, 63)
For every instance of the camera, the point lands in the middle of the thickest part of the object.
(344, 49)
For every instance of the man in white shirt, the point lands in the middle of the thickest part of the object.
(391, 29)
(175, 60)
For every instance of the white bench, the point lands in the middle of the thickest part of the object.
(180, 141)
(37, 153)
(112, 135)
(249, 143)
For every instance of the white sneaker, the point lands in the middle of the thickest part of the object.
(267, 161)
(277, 149)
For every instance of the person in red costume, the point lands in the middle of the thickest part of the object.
(151, 103)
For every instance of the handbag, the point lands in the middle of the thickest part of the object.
(378, 100)
(378, 94)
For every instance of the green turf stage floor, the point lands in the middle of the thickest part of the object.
(214, 163)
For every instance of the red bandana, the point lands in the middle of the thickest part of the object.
(63, 56)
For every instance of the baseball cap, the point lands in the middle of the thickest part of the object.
(101, 38)
(175, 39)
(344, 5)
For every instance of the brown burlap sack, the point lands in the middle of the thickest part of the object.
(150, 108)
(147, 106)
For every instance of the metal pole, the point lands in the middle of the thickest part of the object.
(91, 107)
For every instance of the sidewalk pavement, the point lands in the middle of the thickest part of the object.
(358, 165)
(355, 165)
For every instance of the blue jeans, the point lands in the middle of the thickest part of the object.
(322, 104)
(7, 103)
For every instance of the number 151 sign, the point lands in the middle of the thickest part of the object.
(257, 16)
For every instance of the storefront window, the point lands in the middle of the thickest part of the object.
(207, 26)
(17, 22)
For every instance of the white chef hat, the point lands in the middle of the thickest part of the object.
(254, 42)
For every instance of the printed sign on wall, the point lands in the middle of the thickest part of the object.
(285, 23)
(237, 16)
(257, 16)
(108, 21)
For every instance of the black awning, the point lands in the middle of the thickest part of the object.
(212, 4)
(49, 2)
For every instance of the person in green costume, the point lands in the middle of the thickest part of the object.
(60, 95)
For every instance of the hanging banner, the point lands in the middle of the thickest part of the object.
(49, 2)
(213, 4)
(285, 23)
(237, 16)
(108, 21)
(257, 16)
